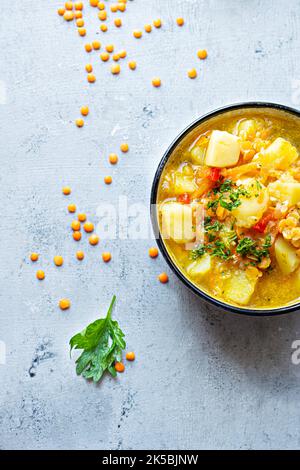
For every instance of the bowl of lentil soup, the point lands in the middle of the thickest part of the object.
(225, 207)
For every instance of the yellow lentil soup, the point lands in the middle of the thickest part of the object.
(228, 207)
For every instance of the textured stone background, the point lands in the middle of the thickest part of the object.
(202, 378)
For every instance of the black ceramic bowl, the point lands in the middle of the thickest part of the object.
(231, 109)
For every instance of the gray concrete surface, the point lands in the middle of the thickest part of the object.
(202, 378)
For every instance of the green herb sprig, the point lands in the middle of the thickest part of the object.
(102, 343)
(218, 248)
(249, 248)
(228, 196)
(221, 251)
(198, 252)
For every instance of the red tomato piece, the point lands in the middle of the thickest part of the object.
(215, 174)
(262, 223)
(184, 198)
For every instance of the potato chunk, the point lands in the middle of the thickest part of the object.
(197, 155)
(247, 126)
(223, 150)
(240, 286)
(177, 222)
(183, 184)
(279, 155)
(251, 208)
(200, 266)
(285, 190)
(286, 256)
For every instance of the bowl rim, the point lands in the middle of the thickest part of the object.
(153, 213)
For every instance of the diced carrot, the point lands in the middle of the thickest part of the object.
(235, 173)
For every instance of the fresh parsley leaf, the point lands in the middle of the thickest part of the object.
(102, 343)
(215, 227)
(229, 205)
(198, 252)
(251, 249)
(258, 185)
(267, 243)
(221, 250)
(245, 246)
(213, 204)
(217, 248)
(229, 237)
(225, 186)
(207, 220)
(228, 196)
